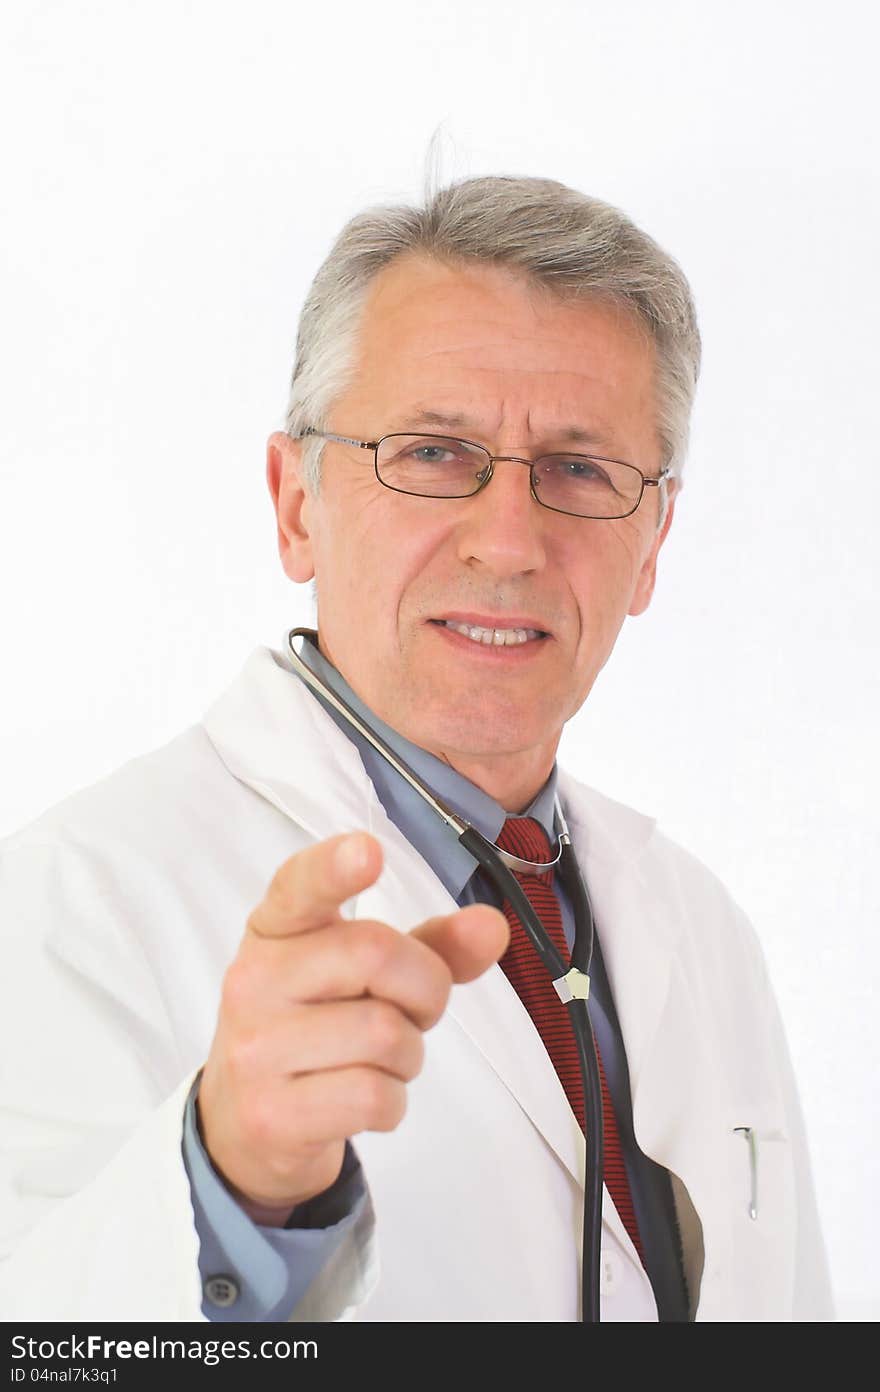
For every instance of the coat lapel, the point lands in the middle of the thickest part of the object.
(677, 1092)
(274, 736)
(638, 936)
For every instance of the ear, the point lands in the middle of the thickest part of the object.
(293, 504)
(644, 589)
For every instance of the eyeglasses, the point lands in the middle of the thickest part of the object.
(438, 466)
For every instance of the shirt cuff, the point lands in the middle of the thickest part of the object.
(258, 1273)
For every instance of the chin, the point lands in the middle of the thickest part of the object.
(483, 738)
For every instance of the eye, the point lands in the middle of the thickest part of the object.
(431, 454)
(574, 468)
(583, 469)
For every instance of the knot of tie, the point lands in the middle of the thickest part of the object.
(526, 838)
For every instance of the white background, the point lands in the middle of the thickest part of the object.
(172, 174)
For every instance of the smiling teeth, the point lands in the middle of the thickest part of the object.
(500, 637)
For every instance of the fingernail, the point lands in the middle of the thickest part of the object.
(351, 857)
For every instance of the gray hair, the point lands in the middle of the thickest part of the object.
(558, 238)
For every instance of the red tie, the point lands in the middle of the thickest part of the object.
(526, 838)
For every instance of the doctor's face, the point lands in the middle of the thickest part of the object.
(477, 353)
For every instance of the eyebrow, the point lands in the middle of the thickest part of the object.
(571, 434)
(441, 418)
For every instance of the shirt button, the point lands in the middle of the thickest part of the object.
(609, 1273)
(221, 1291)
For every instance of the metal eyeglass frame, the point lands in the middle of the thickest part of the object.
(493, 459)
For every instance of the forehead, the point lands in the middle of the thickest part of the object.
(482, 343)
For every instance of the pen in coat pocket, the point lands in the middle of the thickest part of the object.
(750, 1136)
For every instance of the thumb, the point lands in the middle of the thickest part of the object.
(469, 941)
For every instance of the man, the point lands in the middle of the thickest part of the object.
(228, 955)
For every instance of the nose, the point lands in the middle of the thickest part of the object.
(502, 527)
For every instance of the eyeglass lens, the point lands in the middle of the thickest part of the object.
(435, 466)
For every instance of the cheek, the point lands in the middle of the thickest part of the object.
(348, 535)
(373, 555)
(606, 572)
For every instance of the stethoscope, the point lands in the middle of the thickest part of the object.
(572, 982)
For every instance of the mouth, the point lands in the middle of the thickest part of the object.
(513, 635)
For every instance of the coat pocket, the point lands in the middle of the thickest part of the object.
(762, 1218)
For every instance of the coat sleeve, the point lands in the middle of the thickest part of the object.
(812, 1299)
(96, 1220)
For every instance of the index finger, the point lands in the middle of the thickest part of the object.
(308, 890)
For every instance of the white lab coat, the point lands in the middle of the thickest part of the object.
(120, 911)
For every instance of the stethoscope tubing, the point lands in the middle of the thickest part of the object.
(489, 857)
(579, 1014)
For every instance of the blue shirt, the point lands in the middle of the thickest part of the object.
(273, 1267)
